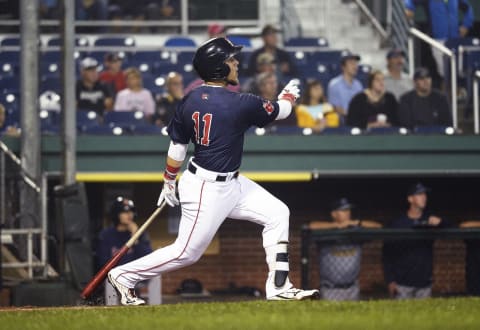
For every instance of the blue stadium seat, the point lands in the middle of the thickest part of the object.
(147, 130)
(13, 117)
(47, 68)
(239, 40)
(124, 119)
(10, 41)
(49, 122)
(86, 119)
(152, 56)
(342, 130)
(115, 41)
(10, 57)
(180, 42)
(306, 42)
(326, 56)
(10, 100)
(107, 130)
(185, 57)
(386, 131)
(57, 41)
(363, 73)
(9, 84)
(426, 130)
(284, 130)
(51, 83)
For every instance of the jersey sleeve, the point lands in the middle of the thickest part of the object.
(178, 129)
(260, 112)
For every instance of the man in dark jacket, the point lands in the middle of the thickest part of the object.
(423, 106)
(408, 265)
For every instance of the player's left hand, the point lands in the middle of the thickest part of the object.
(290, 92)
(168, 194)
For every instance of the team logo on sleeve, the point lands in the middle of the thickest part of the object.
(268, 106)
(204, 96)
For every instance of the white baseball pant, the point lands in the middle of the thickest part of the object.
(205, 205)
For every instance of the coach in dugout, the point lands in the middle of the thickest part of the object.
(339, 262)
(408, 264)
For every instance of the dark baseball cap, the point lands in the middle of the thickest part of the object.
(342, 204)
(269, 29)
(349, 56)
(112, 57)
(417, 188)
(421, 73)
(395, 52)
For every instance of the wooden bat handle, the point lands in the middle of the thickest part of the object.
(102, 273)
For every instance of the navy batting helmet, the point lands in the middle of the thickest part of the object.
(209, 59)
(119, 205)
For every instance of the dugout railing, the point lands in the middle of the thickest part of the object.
(448, 262)
(23, 248)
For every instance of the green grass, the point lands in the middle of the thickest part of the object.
(452, 313)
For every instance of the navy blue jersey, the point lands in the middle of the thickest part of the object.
(215, 120)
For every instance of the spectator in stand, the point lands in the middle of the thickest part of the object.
(112, 239)
(216, 30)
(91, 94)
(374, 107)
(423, 106)
(168, 102)
(7, 130)
(444, 21)
(344, 87)
(265, 63)
(270, 45)
(397, 81)
(267, 84)
(91, 10)
(408, 265)
(135, 97)
(472, 261)
(313, 110)
(113, 76)
(339, 262)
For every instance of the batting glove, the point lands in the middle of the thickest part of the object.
(290, 92)
(168, 193)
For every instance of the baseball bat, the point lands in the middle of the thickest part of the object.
(102, 273)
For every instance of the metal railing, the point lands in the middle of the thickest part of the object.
(447, 52)
(289, 20)
(32, 261)
(373, 20)
(476, 105)
(399, 25)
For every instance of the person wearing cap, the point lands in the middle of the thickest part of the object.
(423, 106)
(170, 100)
(397, 81)
(113, 76)
(216, 30)
(122, 214)
(265, 63)
(284, 63)
(91, 94)
(408, 264)
(339, 262)
(344, 87)
(374, 107)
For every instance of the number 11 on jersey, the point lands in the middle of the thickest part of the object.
(207, 122)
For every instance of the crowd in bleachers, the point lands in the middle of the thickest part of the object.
(340, 94)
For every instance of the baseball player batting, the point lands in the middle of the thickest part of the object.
(211, 189)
